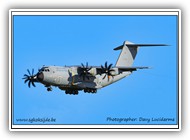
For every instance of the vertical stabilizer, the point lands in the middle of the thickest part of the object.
(127, 55)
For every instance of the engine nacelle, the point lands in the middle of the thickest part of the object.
(93, 71)
(115, 72)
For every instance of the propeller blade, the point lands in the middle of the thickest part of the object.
(102, 67)
(29, 84)
(89, 69)
(26, 80)
(33, 84)
(110, 66)
(26, 75)
(28, 72)
(82, 65)
(32, 72)
(104, 76)
(106, 64)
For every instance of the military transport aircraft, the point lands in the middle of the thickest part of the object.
(88, 78)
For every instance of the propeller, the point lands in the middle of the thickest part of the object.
(30, 78)
(85, 71)
(107, 70)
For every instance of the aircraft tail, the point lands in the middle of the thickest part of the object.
(128, 53)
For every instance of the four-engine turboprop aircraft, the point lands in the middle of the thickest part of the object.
(88, 78)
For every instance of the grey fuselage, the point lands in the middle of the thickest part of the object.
(88, 78)
(66, 77)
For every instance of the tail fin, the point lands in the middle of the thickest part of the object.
(129, 52)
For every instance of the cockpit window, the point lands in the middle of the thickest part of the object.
(44, 69)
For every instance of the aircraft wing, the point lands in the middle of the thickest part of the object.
(131, 68)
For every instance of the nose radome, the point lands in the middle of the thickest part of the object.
(40, 76)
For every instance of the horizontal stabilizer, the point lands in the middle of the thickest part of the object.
(139, 45)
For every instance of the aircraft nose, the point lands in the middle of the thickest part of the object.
(40, 76)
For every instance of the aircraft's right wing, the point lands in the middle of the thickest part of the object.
(131, 68)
